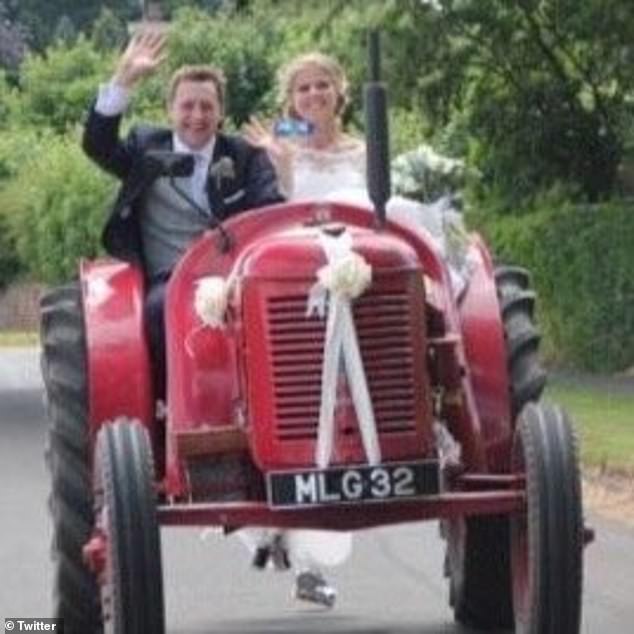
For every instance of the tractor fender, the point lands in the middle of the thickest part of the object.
(116, 345)
(483, 336)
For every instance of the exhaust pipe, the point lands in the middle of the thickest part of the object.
(377, 134)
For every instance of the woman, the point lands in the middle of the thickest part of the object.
(322, 159)
(318, 161)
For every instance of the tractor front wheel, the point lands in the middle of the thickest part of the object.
(125, 496)
(478, 548)
(547, 539)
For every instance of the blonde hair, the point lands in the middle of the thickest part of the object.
(287, 74)
(198, 73)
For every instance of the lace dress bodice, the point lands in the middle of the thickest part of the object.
(341, 176)
(318, 173)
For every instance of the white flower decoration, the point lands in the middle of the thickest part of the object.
(211, 300)
(223, 169)
(347, 277)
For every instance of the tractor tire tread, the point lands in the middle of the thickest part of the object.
(555, 520)
(63, 363)
(527, 376)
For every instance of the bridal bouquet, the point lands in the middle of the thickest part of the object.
(425, 175)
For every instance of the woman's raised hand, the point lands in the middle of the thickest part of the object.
(280, 151)
(257, 134)
(142, 57)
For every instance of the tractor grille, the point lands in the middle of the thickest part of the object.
(384, 326)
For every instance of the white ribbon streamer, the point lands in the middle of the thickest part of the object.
(346, 276)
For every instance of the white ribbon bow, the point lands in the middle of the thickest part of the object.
(346, 276)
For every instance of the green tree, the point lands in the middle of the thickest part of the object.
(173, 6)
(545, 87)
(109, 31)
(54, 207)
(38, 15)
(15, 146)
(542, 89)
(244, 49)
(13, 39)
(581, 259)
(6, 99)
(65, 31)
(56, 89)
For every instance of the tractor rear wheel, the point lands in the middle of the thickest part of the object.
(478, 549)
(477, 564)
(527, 377)
(63, 361)
(125, 494)
(547, 539)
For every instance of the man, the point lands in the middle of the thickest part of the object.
(151, 224)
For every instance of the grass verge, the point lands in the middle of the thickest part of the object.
(604, 419)
(14, 338)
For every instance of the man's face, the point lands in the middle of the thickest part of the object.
(195, 112)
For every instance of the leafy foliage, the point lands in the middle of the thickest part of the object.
(6, 100)
(13, 40)
(9, 261)
(172, 6)
(14, 151)
(42, 18)
(581, 257)
(57, 89)
(243, 49)
(54, 207)
(544, 86)
(109, 31)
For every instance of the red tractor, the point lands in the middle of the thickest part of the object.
(264, 425)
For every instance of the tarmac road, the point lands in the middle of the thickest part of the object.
(392, 584)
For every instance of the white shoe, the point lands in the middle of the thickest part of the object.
(312, 587)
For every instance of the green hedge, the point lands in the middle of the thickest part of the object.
(56, 89)
(582, 261)
(54, 208)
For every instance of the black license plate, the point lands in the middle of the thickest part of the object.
(349, 485)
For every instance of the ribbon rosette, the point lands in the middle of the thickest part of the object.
(211, 300)
(346, 276)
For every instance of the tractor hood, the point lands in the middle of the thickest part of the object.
(298, 253)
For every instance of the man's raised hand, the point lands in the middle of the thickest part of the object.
(141, 58)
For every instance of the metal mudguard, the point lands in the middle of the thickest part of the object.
(117, 353)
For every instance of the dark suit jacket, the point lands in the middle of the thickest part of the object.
(253, 183)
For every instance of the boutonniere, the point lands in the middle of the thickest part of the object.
(223, 169)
